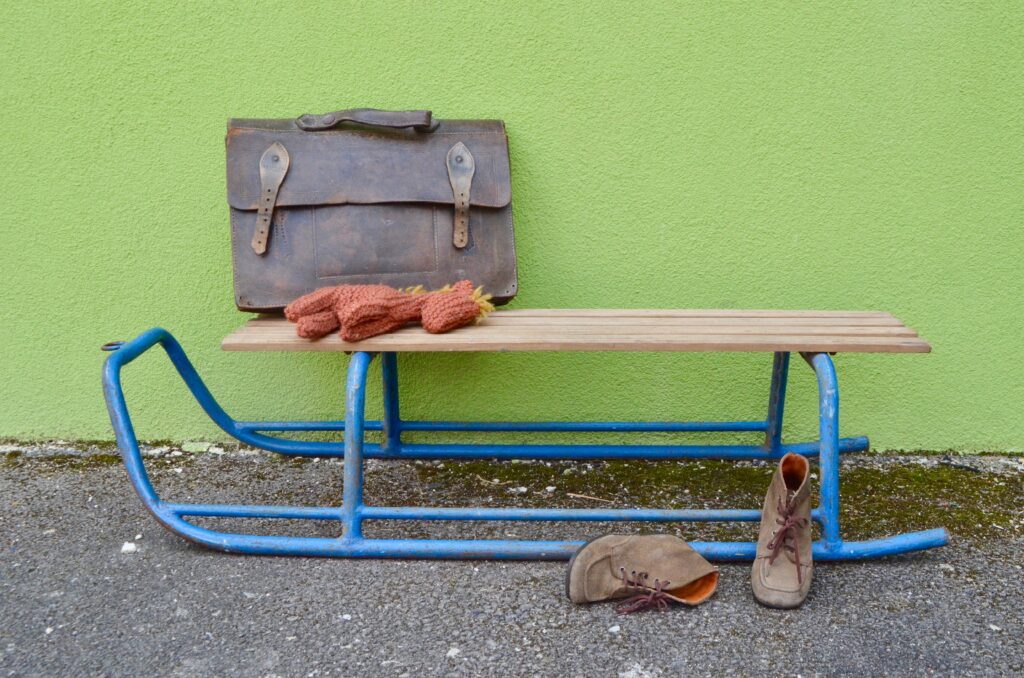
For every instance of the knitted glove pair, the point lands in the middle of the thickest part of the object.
(363, 311)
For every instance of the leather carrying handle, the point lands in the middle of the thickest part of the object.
(421, 121)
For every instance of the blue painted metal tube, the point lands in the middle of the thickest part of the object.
(828, 460)
(878, 548)
(445, 513)
(583, 452)
(392, 422)
(246, 511)
(776, 402)
(359, 547)
(131, 350)
(822, 552)
(543, 514)
(304, 448)
(295, 426)
(124, 432)
(355, 401)
(525, 426)
(511, 549)
(588, 426)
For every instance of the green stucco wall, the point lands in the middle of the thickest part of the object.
(779, 155)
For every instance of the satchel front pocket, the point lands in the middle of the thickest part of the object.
(375, 239)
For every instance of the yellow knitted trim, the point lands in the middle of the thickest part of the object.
(483, 301)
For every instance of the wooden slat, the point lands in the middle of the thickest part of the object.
(504, 332)
(686, 313)
(397, 342)
(488, 327)
(500, 318)
(520, 321)
(585, 330)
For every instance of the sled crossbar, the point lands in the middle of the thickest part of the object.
(353, 511)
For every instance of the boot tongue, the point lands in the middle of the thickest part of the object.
(791, 499)
(800, 494)
(783, 490)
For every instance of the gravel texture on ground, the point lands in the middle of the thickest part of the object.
(74, 601)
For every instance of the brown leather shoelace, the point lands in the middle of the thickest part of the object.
(785, 536)
(647, 596)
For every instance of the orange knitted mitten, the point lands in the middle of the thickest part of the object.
(377, 311)
(316, 314)
(313, 314)
(363, 311)
(445, 311)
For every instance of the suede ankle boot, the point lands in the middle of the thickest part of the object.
(649, 570)
(781, 576)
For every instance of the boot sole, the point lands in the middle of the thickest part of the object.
(779, 607)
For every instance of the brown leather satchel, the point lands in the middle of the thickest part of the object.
(367, 196)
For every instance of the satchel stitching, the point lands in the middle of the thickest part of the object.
(474, 133)
(317, 197)
(316, 243)
(433, 218)
(512, 239)
(234, 257)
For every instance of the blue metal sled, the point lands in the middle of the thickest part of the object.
(354, 511)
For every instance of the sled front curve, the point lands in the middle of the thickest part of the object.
(353, 511)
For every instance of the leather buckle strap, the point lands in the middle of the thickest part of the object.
(273, 166)
(460, 172)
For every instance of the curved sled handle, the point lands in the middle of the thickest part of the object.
(246, 433)
(421, 121)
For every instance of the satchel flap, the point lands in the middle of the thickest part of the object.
(363, 166)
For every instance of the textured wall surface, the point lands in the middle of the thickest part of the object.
(664, 154)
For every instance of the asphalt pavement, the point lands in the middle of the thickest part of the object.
(72, 603)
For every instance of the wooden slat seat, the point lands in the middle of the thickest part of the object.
(618, 330)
